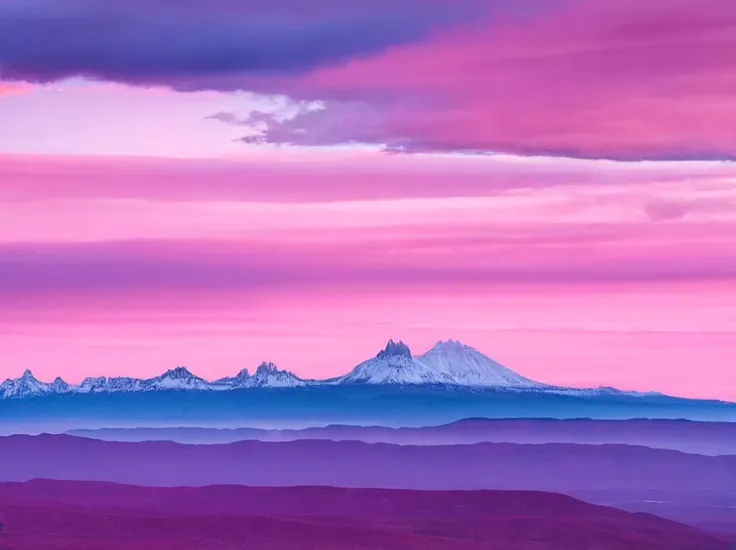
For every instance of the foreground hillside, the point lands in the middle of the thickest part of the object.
(46, 515)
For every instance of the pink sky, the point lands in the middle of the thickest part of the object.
(574, 272)
(551, 182)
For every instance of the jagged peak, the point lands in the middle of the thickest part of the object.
(94, 379)
(267, 368)
(244, 373)
(178, 372)
(395, 349)
(28, 375)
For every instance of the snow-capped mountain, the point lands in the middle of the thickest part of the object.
(101, 384)
(174, 379)
(28, 385)
(240, 380)
(267, 375)
(395, 366)
(467, 366)
(59, 386)
(177, 379)
(180, 379)
(448, 363)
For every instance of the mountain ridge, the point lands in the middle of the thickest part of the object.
(448, 363)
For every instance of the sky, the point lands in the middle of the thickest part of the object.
(228, 182)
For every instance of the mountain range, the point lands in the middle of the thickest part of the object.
(449, 363)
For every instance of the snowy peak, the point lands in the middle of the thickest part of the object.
(179, 373)
(447, 363)
(59, 386)
(177, 379)
(28, 385)
(449, 345)
(466, 366)
(269, 376)
(265, 369)
(394, 349)
(392, 366)
(237, 381)
(92, 384)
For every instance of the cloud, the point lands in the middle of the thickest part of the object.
(430, 256)
(345, 123)
(616, 79)
(192, 47)
(661, 209)
(292, 177)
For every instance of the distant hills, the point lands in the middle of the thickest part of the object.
(358, 464)
(687, 487)
(449, 363)
(707, 438)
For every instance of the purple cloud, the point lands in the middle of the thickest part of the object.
(660, 210)
(191, 45)
(131, 267)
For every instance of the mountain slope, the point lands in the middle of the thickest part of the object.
(396, 366)
(468, 367)
(449, 363)
(177, 379)
(173, 379)
(238, 381)
(28, 385)
(269, 376)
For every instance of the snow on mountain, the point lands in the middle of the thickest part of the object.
(269, 376)
(59, 386)
(449, 363)
(102, 384)
(28, 385)
(177, 379)
(466, 366)
(601, 391)
(394, 366)
(240, 380)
